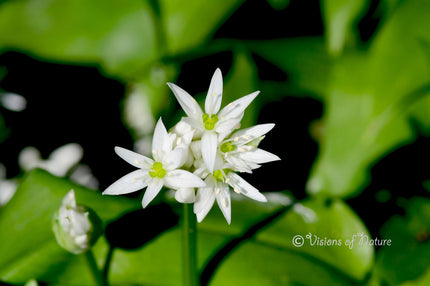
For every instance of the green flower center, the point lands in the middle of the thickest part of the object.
(227, 147)
(157, 171)
(209, 121)
(219, 175)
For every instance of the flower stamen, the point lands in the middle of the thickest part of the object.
(209, 121)
(157, 171)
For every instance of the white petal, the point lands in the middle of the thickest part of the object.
(131, 182)
(209, 148)
(196, 149)
(237, 164)
(204, 201)
(161, 142)
(69, 200)
(226, 126)
(175, 159)
(237, 107)
(248, 134)
(80, 222)
(182, 179)
(185, 195)
(134, 158)
(154, 187)
(242, 186)
(223, 199)
(259, 156)
(195, 123)
(214, 96)
(187, 102)
(64, 158)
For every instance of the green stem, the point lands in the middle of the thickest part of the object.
(106, 268)
(94, 268)
(189, 247)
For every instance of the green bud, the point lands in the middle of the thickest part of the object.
(76, 227)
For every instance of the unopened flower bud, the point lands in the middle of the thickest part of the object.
(76, 227)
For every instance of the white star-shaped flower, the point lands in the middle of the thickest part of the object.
(218, 188)
(154, 174)
(213, 124)
(241, 151)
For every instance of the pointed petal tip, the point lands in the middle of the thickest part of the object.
(262, 198)
(199, 217)
(144, 204)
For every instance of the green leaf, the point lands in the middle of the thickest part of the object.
(279, 4)
(408, 258)
(189, 24)
(305, 61)
(371, 97)
(423, 280)
(117, 34)
(341, 21)
(29, 249)
(335, 221)
(258, 264)
(149, 265)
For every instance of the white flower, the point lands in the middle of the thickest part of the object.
(183, 134)
(154, 174)
(7, 187)
(59, 163)
(213, 124)
(218, 187)
(72, 225)
(185, 195)
(241, 151)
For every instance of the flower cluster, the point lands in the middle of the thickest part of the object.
(203, 151)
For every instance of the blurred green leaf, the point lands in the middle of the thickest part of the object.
(258, 264)
(275, 261)
(124, 37)
(370, 101)
(305, 60)
(333, 221)
(117, 34)
(27, 219)
(189, 24)
(279, 4)
(423, 280)
(370, 95)
(341, 21)
(408, 258)
(149, 265)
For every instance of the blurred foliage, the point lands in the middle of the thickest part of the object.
(28, 216)
(375, 94)
(409, 256)
(37, 253)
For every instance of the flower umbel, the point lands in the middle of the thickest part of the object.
(163, 170)
(203, 151)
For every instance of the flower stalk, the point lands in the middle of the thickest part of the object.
(189, 247)
(98, 277)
